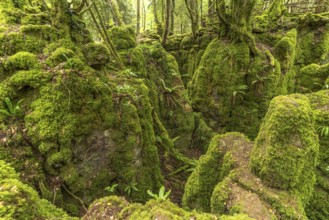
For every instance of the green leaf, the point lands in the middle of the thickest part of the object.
(152, 194)
(9, 105)
(5, 112)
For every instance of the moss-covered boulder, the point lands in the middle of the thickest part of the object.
(313, 77)
(223, 183)
(231, 89)
(318, 207)
(96, 54)
(286, 149)
(313, 41)
(212, 168)
(22, 61)
(123, 37)
(20, 201)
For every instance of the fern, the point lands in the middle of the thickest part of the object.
(163, 195)
(10, 109)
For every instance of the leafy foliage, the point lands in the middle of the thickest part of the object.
(163, 195)
(11, 110)
(111, 189)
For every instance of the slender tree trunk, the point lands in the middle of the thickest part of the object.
(138, 16)
(172, 25)
(156, 18)
(193, 9)
(103, 32)
(163, 11)
(166, 30)
(144, 16)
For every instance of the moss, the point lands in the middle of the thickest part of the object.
(106, 208)
(137, 156)
(167, 93)
(285, 51)
(21, 80)
(313, 77)
(123, 37)
(22, 61)
(14, 42)
(20, 201)
(153, 209)
(212, 168)
(224, 91)
(44, 32)
(312, 45)
(286, 148)
(96, 54)
(7, 172)
(318, 207)
(202, 134)
(60, 55)
(220, 196)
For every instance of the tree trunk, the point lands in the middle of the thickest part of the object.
(172, 25)
(156, 18)
(144, 16)
(193, 9)
(166, 30)
(138, 16)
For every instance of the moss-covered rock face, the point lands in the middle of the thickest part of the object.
(20, 201)
(286, 149)
(96, 54)
(222, 183)
(313, 78)
(318, 207)
(21, 61)
(231, 89)
(123, 37)
(312, 45)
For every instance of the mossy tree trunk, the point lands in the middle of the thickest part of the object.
(59, 17)
(138, 9)
(172, 17)
(156, 18)
(167, 23)
(276, 10)
(235, 21)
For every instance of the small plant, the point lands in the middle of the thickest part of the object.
(111, 189)
(11, 110)
(163, 195)
(259, 83)
(131, 187)
(323, 131)
(239, 91)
